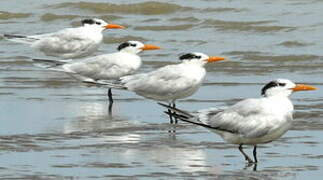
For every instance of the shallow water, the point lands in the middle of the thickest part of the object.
(54, 127)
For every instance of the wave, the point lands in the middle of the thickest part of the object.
(8, 15)
(52, 17)
(146, 8)
(258, 56)
(254, 26)
(165, 28)
(293, 44)
(118, 40)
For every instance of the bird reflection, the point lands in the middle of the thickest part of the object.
(92, 117)
(251, 165)
(188, 160)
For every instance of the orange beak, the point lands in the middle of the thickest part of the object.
(215, 58)
(303, 87)
(150, 47)
(114, 26)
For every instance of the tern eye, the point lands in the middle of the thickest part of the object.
(133, 45)
(198, 57)
(281, 84)
(98, 23)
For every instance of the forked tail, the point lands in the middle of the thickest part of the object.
(49, 63)
(20, 38)
(182, 115)
(116, 84)
(186, 117)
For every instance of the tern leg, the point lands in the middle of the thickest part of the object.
(171, 121)
(170, 115)
(176, 120)
(254, 167)
(244, 154)
(255, 154)
(110, 100)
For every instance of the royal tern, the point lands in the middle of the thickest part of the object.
(70, 42)
(250, 121)
(170, 82)
(105, 67)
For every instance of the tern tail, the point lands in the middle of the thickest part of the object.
(189, 118)
(49, 63)
(183, 113)
(111, 84)
(20, 38)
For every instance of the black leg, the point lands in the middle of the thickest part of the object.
(255, 154)
(171, 121)
(175, 119)
(110, 100)
(254, 167)
(244, 154)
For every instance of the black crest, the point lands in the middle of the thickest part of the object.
(88, 21)
(270, 85)
(123, 45)
(189, 56)
(126, 44)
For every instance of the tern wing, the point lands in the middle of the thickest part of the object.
(163, 81)
(246, 118)
(99, 67)
(68, 40)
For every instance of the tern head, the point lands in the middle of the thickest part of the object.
(99, 24)
(283, 87)
(199, 58)
(135, 47)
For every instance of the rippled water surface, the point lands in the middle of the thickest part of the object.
(53, 127)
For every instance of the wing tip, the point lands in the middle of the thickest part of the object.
(12, 36)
